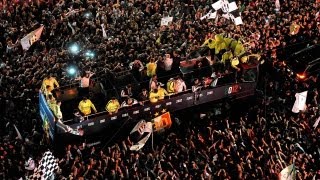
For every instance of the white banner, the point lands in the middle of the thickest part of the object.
(277, 4)
(166, 20)
(31, 38)
(104, 34)
(288, 173)
(300, 103)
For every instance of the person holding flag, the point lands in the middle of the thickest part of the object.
(49, 83)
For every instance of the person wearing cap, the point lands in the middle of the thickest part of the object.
(162, 92)
(49, 81)
(113, 106)
(85, 106)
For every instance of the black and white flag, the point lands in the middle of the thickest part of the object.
(140, 134)
(46, 169)
(229, 9)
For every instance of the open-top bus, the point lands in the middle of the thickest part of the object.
(229, 87)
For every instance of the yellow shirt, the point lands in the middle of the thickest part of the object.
(151, 69)
(49, 82)
(210, 45)
(112, 106)
(153, 97)
(170, 86)
(85, 107)
(55, 108)
(162, 93)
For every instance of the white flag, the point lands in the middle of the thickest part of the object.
(209, 15)
(300, 103)
(316, 123)
(217, 5)
(144, 129)
(165, 21)
(205, 16)
(277, 3)
(104, 34)
(238, 21)
(18, 132)
(72, 29)
(288, 173)
(31, 38)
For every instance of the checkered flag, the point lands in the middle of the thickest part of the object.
(229, 9)
(47, 166)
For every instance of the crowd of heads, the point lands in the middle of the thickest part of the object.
(252, 147)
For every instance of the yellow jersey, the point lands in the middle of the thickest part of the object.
(162, 93)
(153, 97)
(49, 82)
(112, 106)
(85, 107)
(151, 69)
(170, 86)
(211, 44)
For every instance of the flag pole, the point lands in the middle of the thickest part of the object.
(152, 141)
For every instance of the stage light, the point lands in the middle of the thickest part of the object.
(74, 48)
(87, 15)
(89, 54)
(72, 71)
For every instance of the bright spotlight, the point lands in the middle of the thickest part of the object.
(72, 71)
(74, 49)
(89, 54)
(87, 15)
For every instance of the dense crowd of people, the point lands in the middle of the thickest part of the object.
(253, 146)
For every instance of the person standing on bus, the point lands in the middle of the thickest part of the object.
(179, 85)
(85, 106)
(49, 81)
(113, 106)
(151, 68)
(85, 83)
(167, 62)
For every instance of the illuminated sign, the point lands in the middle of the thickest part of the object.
(233, 89)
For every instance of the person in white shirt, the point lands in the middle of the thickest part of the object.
(179, 85)
(85, 83)
(129, 102)
(167, 62)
